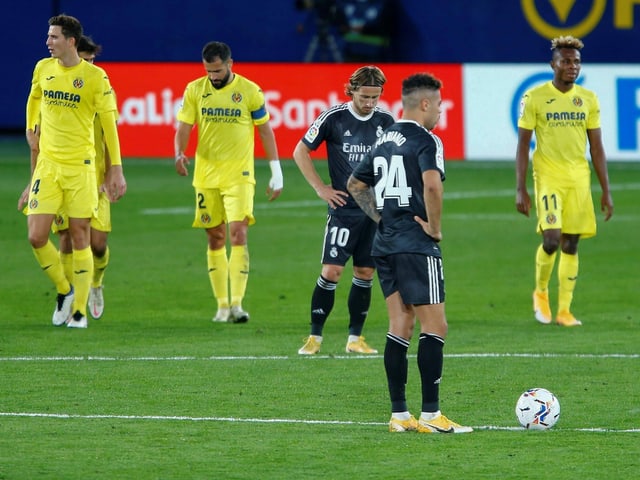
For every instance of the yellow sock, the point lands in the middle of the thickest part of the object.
(82, 273)
(218, 266)
(544, 267)
(238, 272)
(99, 265)
(49, 261)
(567, 276)
(66, 259)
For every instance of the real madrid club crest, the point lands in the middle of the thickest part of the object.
(333, 253)
(236, 97)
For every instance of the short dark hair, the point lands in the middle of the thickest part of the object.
(86, 44)
(71, 26)
(420, 81)
(216, 49)
(415, 83)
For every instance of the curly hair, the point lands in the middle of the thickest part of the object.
(566, 42)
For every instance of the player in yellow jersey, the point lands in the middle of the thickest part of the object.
(564, 116)
(226, 107)
(101, 224)
(66, 95)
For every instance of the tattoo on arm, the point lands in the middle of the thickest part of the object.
(367, 202)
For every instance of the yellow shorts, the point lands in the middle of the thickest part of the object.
(63, 188)
(223, 205)
(101, 222)
(569, 209)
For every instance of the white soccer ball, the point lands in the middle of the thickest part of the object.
(538, 409)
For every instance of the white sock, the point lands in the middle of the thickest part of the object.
(430, 415)
(353, 338)
(401, 415)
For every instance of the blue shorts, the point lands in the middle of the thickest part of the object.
(418, 278)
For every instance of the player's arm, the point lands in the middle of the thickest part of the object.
(433, 192)
(33, 140)
(180, 142)
(523, 201)
(115, 183)
(268, 139)
(302, 157)
(364, 196)
(599, 160)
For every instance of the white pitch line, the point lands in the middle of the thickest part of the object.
(182, 418)
(284, 205)
(91, 358)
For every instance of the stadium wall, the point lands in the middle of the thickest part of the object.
(463, 32)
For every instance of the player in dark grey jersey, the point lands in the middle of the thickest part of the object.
(399, 185)
(348, 130)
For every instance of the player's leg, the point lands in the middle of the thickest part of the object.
(422, 286)
(79, 229)
(218, 270)
(396, 364)
(45, 199)
(61, 228)
(548, 208)
(100, 228)
(359, 245)
(567, 277)
(101, 257)
(238, 206)
(238, 269)
(80, 204)
(579, 221)
(334, 258)
(209, 215)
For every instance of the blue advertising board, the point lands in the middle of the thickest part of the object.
(453, 31)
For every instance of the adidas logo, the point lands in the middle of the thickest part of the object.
(347, 134)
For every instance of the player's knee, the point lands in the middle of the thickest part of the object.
(332, 272)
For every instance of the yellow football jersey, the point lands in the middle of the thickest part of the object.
(70, 98)
(560, 121)
(225, 120)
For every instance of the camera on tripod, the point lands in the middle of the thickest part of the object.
(326, 15)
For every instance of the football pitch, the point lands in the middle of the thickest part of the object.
(155, 390)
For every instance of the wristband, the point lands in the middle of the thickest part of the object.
(277, 181)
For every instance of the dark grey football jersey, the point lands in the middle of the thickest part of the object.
(394, 169)
(348, 138)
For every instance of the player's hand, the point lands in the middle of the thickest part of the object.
(24, 197)
(33, 139)
(335, 198)
(182, 161)
(426, 227)
(276, 183)
(606, 205)
(523, 202)
(115, 186)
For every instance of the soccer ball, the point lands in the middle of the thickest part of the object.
(538, 409)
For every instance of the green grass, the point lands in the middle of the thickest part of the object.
(155, 390)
